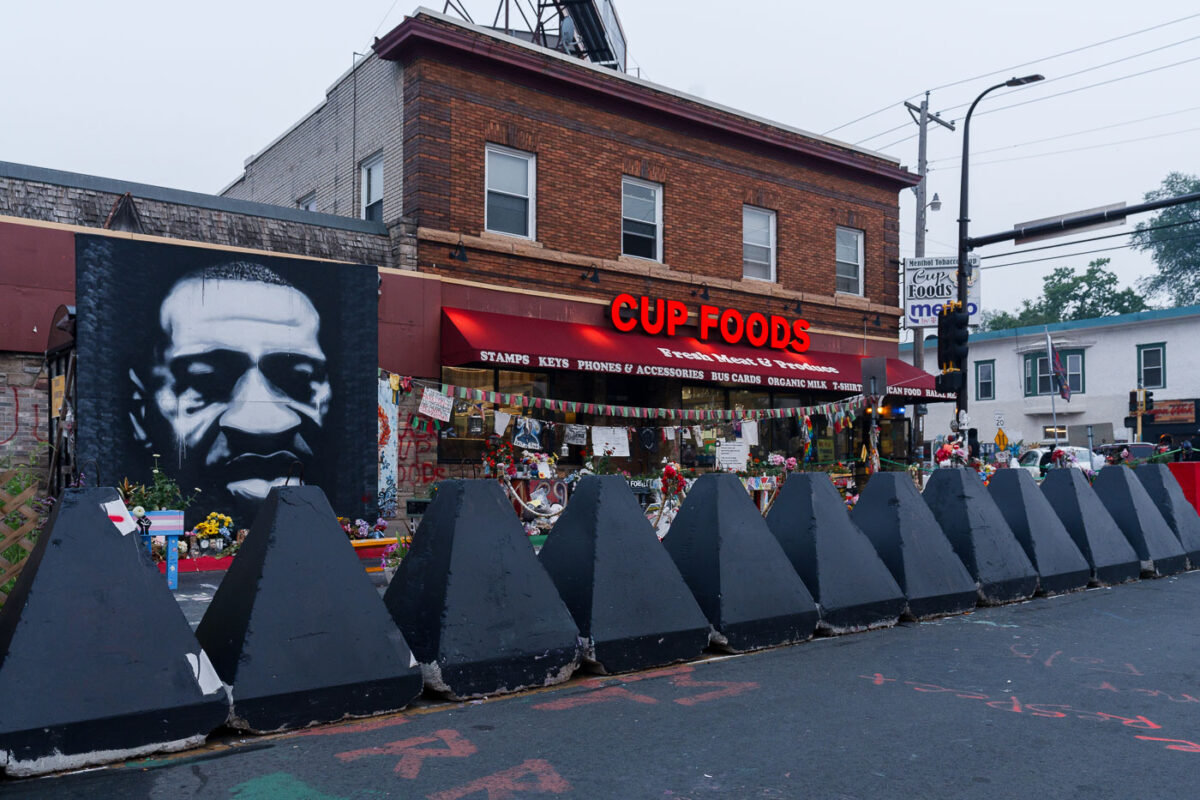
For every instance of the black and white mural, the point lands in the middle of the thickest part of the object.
(235, 369)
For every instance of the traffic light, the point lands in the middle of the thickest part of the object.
(1133, 401)
(953, 333)
(1149, 401)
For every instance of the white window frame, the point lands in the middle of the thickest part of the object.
(1162, 365)
(658, 217)
(308, 202)
(770, 215)
(531, 199)
(365, 167)
(861, 236)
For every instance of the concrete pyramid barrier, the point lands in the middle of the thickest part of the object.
(908, 538)
(1060, 565)
(97, 662)
(1138, 517)
(297, 628)
(1091, 527)
(736, 569)
(479, 611)
(853, 588)
(623, 590)
(1180, 515)
(980, 536)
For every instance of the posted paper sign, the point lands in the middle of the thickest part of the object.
(732, 455)
(436, 405)
(613, 440)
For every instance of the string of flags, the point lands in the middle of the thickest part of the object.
(840, 415)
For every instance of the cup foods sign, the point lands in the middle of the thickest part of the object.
(930, 282)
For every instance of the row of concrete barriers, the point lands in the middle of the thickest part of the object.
(98, 664)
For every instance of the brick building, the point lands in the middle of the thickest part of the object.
(561, 185)
(515, 200)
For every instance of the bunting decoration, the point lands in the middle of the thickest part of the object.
(839, 414)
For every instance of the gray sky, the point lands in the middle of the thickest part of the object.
(179, 94)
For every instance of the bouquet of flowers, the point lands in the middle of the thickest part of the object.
(498, 457)
(951, 453)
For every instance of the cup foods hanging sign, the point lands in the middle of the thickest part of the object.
(929, 283)
(656, 316)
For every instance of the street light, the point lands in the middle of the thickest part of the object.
(963, 218)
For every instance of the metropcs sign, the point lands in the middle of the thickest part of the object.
(930, 283)
(657, 316)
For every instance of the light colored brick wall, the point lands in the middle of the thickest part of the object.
(362, 115)
(23, 403)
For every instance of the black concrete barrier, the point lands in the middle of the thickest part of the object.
(623, 590)
(297, 628)
(736, 569)
(97, 662)
(1139, 519)
(980, 536)
(908, 538)
(1180, 515)
(479, 612)
(1092, 528)
(853, 588)
(1060, 565)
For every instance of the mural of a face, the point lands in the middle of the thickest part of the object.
(239, 383)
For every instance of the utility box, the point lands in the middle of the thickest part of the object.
(1102, 433)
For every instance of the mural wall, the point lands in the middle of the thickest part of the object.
(232, 368)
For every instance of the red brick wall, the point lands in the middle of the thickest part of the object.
(585, 144)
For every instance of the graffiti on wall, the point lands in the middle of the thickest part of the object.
(22, 417)
(407, 453)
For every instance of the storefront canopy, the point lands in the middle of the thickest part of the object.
(503, 340)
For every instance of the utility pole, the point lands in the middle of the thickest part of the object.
(921, 116)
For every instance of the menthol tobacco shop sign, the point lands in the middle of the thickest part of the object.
(930, 282)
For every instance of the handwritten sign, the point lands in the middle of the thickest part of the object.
(732, 455)
(436, 405)
(614, 441)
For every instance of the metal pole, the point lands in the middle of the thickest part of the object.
(963, 215)
(918, 434)
(1091, 446)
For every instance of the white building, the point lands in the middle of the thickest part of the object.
(1009, 380)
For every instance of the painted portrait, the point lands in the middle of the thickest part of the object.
(235, 369)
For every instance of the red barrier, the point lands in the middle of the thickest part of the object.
(1188, 475)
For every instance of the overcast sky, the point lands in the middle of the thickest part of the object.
(179, 94)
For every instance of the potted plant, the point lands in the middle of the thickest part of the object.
(392, 555)
(162, 502)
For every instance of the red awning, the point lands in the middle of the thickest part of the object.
(503, 340)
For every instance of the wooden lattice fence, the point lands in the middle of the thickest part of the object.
(15, 508)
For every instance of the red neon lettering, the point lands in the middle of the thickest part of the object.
(619, 302)
(660, 320)
(732, 315)
(708, 320)
(800, 341)
(757, 320)
(676, 316)
(781, 332)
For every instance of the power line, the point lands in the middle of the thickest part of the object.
(1090, 86)
(1077, 149)
(1092, 68)
(1086, 252)
(1064, 53)
(1075, 133)
(1091, 239)
(884, 133)
(1015, 67)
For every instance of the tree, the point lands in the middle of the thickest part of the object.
(1175, 249)
(1068, 295)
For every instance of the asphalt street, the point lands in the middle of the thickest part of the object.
(1094, 694)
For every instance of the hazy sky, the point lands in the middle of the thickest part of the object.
(179, 94)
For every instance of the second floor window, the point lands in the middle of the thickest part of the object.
(308, 202)
(641, 219)
(1039, 377)
(758, 243)
(511, 192)
(372, 188)
(1152, 366)
(849, 260)
(985, 380)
